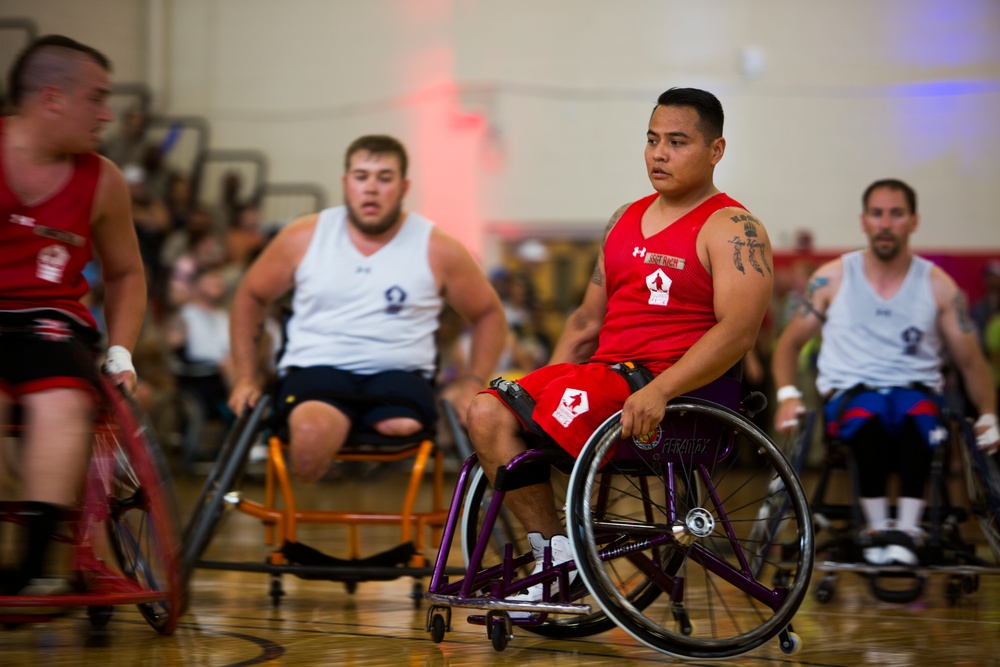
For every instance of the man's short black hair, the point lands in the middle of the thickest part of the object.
(707, 105)
(891, 184)
(49, 60)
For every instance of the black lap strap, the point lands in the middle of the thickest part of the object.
(635, 375)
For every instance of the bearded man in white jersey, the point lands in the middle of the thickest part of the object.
(886, 316)
(368, 282)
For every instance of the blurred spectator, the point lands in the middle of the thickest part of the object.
(179, 199)
(127, 146)
(157, 175)
(151, 219)
(198, 221)
(991, 340)
(244, 237)
(199, 336)
(988, 305)
(205, 250)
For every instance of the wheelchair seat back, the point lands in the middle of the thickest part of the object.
(685, 438)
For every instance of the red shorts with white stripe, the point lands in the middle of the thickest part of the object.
(572, 400)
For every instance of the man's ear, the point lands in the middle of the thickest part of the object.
(52, 98)
(718, 149)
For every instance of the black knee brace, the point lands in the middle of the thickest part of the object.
(519, 401)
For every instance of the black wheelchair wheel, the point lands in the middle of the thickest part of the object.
(680, 507)
(224, 477)
(982, 476)
(129, 474)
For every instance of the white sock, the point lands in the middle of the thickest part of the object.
(876, 511)
(911, 512)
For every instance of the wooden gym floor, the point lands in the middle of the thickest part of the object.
(232, 622)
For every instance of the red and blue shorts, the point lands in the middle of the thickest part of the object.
(849, 410)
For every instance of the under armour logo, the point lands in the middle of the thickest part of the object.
(639, 253)
(363, 269)
(883, 312)
(22, 220)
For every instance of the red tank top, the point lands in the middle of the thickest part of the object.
(45, 246)
(660, 297)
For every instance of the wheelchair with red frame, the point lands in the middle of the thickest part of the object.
(123, 535)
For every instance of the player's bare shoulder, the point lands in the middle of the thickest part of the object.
(613, 220)
(291, 243)
(950, 298)
(737, 237)
(597, 277)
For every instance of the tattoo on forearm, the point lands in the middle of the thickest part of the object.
(962, 312)
(756, 249)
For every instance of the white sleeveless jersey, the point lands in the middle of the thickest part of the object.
(364, 314)
(881, 342)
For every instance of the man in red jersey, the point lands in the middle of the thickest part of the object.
(60, 203)
(680, 288)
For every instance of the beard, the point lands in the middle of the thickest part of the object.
(377, 227)
(885, 252)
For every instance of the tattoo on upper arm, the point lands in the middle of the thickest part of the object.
(806, 301)
(962, 313)
(756, 249)
(598, 276)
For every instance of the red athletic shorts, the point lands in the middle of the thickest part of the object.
(572, 400)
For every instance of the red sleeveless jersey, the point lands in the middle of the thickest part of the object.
(45, 246)
(660, 297)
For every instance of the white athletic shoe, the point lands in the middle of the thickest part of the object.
(561, 552)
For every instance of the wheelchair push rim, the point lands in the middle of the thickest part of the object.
(680, 510)
(130, 499)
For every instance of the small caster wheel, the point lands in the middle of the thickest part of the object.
(99, 616)
(683, 620)
(417, 594)
(499, 636)
(824, 592)
(438, 630)
(781, 579)
(953, 591)
(351, 587)
(790, 643)
(970, 584)
(276, 592)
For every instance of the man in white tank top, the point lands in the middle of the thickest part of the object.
(886, 316)
(369, 280)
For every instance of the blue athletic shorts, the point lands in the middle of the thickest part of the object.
(381, 396)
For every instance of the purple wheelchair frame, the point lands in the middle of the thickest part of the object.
(487, 589)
